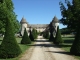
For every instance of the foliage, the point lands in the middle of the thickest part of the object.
(76, 44)
(7, 5)
(22, 46)
(34, 33)
(51, 38)
(65, 31)
(46, 35)
(58, 38)
(25, 38)
(9, 47)
(71, 16)
(17, 26)
(31, 36)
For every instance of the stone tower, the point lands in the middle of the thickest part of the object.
(55, 23)
(24, 25)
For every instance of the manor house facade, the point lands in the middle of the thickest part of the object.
(38, 27)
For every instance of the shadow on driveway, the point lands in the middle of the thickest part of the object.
(60, 52)
(45, 44)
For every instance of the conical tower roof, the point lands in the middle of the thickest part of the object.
(23, 20)
(55, 20)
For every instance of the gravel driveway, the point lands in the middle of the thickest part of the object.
(44, 50)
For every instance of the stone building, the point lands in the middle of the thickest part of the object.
(38, 27)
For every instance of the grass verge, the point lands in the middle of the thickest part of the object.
(22, 46)
(67, 45)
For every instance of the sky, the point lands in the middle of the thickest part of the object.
(38, 11)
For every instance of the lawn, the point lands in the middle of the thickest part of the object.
(68, 40)
(67, 43)
(23, 48)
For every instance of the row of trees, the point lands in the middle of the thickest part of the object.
(66, 31)
(46, 34)
(57, 39)
(34, 33)
(70, 17)
(9, 24)
(27, 39)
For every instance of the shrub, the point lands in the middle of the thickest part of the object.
(58, 38)
(9, 46)
(46, 35)
(25, 38)
(31, 36)
(34, 33)
(75, 48)
(51, 38)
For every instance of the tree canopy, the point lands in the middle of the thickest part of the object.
(9, 47)
(71, 16)
(4, 6)
(70, 13)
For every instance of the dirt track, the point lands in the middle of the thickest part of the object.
(44, 50)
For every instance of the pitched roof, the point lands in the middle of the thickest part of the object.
(38, 25)
(55, 20)
(23, 20)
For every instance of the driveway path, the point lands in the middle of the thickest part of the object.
(44, 50)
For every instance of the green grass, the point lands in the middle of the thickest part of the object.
(67, 44)
(22, 46)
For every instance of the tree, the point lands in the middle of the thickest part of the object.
(17, 26)
(76, 44)
(9, 5)
(2, 17)
(1, 1)
(31, 36)
(9, 46)
(25, 38)
(51, 29)
(46, 35)
(51, 38)
(58, 38)
(34, 33)
(71, 17)
(66, 31)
